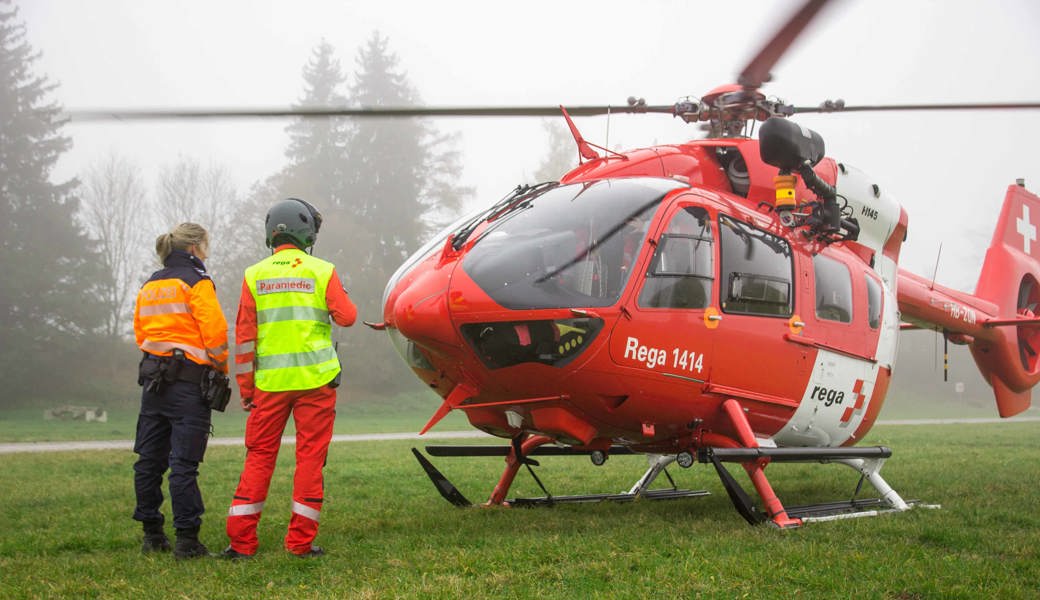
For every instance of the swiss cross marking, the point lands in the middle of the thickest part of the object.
(846, 417)
(1026, 229)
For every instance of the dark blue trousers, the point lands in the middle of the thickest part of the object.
(172, 431)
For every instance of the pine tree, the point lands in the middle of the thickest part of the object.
(400, 188)
(47, 301)
(402, 172)
(382, 186)
(318, 143)
(317, 159)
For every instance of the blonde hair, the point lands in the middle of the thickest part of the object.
(182, 237)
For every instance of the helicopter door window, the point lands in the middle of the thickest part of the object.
(756, 270)
(833, 290)
(682, 270)
(873, 302)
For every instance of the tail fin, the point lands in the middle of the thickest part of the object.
(1010, 358)
(1000, 322)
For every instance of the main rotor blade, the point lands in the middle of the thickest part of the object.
(896, 107)
(757, 71)
(128, 114)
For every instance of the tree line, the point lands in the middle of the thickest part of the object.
(78, 250)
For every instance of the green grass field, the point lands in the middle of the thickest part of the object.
(67, 531)
(406, 412)
(403, 413)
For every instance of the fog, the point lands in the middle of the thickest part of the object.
(949, 169)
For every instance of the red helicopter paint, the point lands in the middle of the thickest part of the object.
(657, 301)
(723, 300)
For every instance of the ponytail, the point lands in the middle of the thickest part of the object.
(181, 238)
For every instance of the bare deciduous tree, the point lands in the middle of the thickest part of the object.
(112, 211)
(187, 191)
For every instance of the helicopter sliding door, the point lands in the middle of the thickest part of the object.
(757, 287)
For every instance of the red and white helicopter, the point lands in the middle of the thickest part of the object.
(727, 299)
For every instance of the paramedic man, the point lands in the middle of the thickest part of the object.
(286, 363)
(180, 328)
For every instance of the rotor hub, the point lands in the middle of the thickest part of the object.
(727, 110)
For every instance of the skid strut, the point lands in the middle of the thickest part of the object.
(756, 470)
(754, 458)
(535, 446)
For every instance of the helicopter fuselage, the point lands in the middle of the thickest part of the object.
(627, 303)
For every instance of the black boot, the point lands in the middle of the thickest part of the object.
(230, 553)
(155, 539)
(188, 544)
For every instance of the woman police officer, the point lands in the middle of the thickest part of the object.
(180, 328)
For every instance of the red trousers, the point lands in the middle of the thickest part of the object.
(314, 412)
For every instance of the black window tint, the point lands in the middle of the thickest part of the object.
(873, 302)
(566, 246)
(756, 270)
(833, 290)
(681, 271)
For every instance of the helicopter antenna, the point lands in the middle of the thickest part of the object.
(935, 272)
(606, 142)
(585, 147)
(585, 150)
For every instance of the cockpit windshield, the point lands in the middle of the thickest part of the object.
(569, 246)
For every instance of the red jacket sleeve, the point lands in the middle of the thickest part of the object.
(245, 342)
(341, 308)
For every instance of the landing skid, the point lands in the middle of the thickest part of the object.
(592, 498)
(866, 461)
(640, 490)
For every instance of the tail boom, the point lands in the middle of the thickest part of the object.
(999, 322)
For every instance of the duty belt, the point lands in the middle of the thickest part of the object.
(182, 368)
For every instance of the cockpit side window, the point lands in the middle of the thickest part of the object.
(682, 270)
(756, 271)
(833, 290)
(873, 302)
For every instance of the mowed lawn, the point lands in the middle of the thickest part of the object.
(404, 413)
(67, 532)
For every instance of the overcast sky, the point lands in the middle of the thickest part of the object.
(950, 170)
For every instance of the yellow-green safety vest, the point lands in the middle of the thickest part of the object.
(294, 348)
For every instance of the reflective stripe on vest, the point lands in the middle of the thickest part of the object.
(295, 359)
(294, 348)
(292, 313)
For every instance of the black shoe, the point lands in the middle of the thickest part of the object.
(155, 542)
(315, 551)
(188, 545)
(186, 548)
(230, 553)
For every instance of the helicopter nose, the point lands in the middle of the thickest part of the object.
(420, 311)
